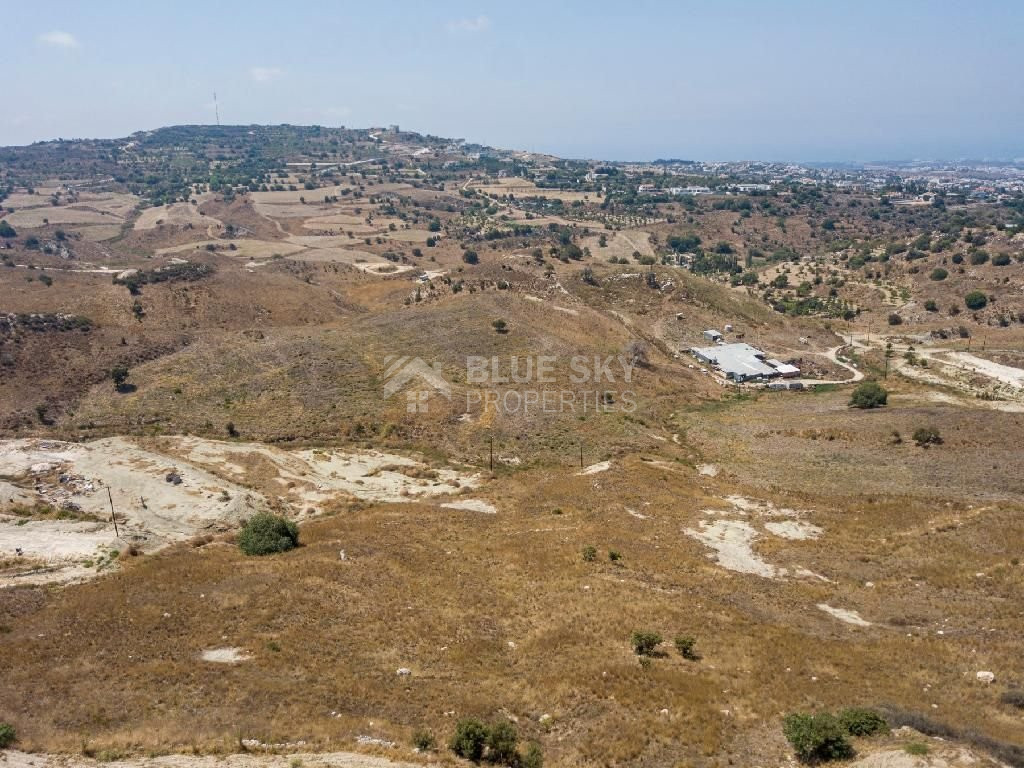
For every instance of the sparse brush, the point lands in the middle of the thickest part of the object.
(469, 739)
(644, 642)
(685, 645)
(424, 740)
(863, 722)
(816, 738)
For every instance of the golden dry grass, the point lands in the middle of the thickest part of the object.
(499, 614)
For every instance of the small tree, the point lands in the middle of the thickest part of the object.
(816, 737)
(6, 230)
(975, 300)
(644, 643)
(469, 739)
(869, 394)
(501, 743)
(685, 645)
(7, 735)
(119, 374)
(470, 257)
(266, 534)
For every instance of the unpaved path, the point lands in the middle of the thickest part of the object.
(949, 367)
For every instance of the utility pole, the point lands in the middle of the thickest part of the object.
(581, 454)
(492, 452)
(113, 517)
(216, 110)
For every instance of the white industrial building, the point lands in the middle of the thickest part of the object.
(741, 362)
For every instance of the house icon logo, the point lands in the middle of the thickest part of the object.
(402, 370)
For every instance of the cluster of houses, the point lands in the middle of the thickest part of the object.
(740, 362)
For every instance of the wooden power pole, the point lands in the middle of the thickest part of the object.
(113, 517)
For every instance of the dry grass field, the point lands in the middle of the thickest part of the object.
(499, 615)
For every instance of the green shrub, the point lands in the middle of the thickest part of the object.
(469, 740)
(939, 274)
(916, 748)
(816, 737)
(685, 645)
(501, 743)
(869, 394)
(424, 741)
(6, 230)
(7, 735)
(644, 643)
(862, 722)
(614, 555)
(533, 757)
(1001, 260)
(265, 534)
(975, 300)
(931, 306)
(589, 554)
(925, 436)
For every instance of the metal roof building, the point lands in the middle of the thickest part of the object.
(739, 362)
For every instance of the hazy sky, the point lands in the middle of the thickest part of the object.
(720, 79)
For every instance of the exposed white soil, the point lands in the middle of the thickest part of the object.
(313, 476)
(732, 533)
(171, 489)
(793, 529)
(472, 505)
(731, 542)
(225, 655)
(848, 616)
(593, 469)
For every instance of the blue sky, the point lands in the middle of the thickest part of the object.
(732, 79)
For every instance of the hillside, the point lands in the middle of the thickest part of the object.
(465, 372)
